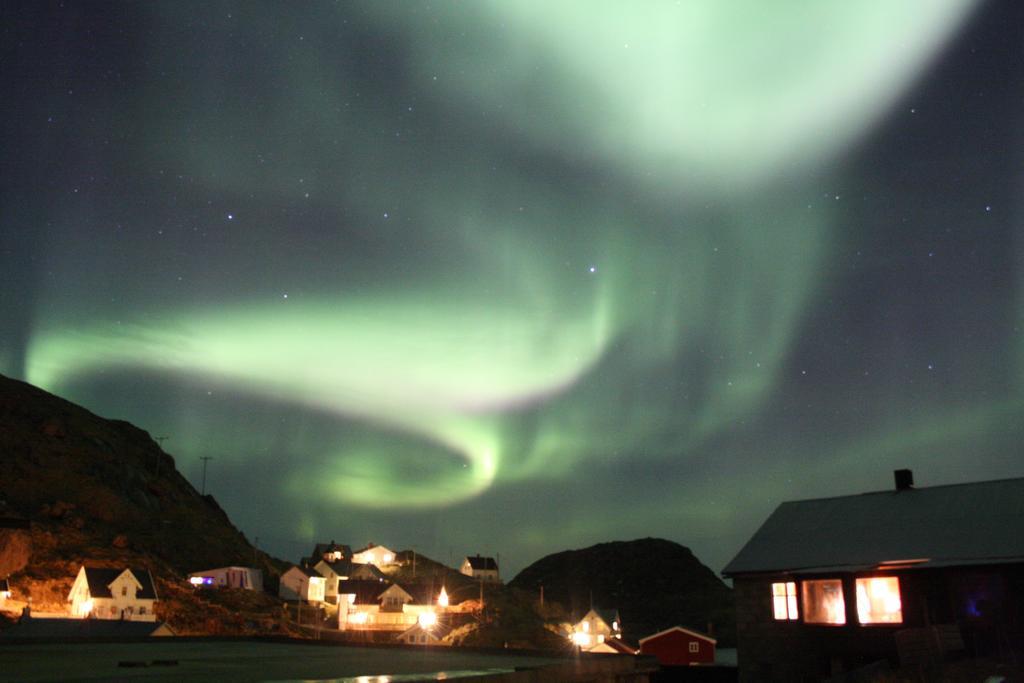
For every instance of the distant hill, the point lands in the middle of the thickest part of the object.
(98, 491)
(653, 583)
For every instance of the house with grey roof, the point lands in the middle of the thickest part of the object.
(302, 584)
(105, 593)
(480, 568)
(904, 576)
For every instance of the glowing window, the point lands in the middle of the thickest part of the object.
(694, 647)
(878, 600)
(823, 602)
(784, 601)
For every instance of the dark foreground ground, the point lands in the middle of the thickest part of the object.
(236, 661)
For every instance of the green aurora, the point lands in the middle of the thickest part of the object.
(467, 253)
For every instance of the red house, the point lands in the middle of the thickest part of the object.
(679, 646)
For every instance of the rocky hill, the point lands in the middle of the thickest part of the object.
(654, 583)
(77, 488)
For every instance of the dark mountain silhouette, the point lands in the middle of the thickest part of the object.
(77, 488)
(653, 583)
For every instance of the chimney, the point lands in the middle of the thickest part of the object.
(904, 479)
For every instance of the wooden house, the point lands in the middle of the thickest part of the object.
(329, 552)
(678, 646)
(102, 593)
(302, 583)
(376, 555)
(481, 568)
(595, 627)
(424, 634)
(903, 576)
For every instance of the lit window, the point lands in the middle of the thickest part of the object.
(784, 601)
(823, 602)
(694, 647)
(878, 600)
(586, 626)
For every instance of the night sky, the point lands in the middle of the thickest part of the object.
(516, 277)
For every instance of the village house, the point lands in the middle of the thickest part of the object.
(302, 583)
(430, 633)
(335, 572)
(481, 568)
(248, 578)
(376, 555)
(379, 606)
(909, 575)
(595, 628)
(678, 646)
(329, 552)
(102, 593)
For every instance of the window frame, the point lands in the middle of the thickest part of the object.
(807, 584)
(791, 601)
(899, 592)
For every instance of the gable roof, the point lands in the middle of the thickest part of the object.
(613, 645)
(680, 629)
(482, 563)
(608, 616)
(366, 592)
(100, 578)
(371, 546)
(369, 572)
(320, 549)
(955, 525)
(340, 568)
(308, 571)
(394, 590)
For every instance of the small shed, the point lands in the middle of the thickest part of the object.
(678, 646)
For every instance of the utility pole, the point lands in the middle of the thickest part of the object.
(160, 441)
(205, 459)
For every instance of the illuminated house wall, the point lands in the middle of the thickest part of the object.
(101, 593)
(830, 585)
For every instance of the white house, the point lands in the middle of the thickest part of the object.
(481, 568)
(101, 593)
(302, 583)
(372, 605)
(5, 591)
(229, 577)
(374, 554)
(596, 627)
(424, 632)
(336, 572)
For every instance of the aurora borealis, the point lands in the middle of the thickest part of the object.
(515, 277)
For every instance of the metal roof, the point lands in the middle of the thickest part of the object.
(959, 524)
(100, 578)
